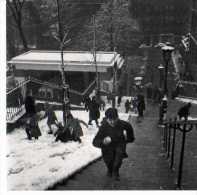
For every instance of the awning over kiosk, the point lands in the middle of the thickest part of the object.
(80, 61)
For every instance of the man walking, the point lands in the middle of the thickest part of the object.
(112, 138)
(94, 113)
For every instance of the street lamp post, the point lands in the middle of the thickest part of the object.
(166, 51)
(160, 67)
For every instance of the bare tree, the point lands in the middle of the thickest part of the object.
(62, 38)
(15, 7)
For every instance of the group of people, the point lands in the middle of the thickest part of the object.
(137, 103)
(113, 134)
(71, 130)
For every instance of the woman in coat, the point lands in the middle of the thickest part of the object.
(32, 129)
(111, 139)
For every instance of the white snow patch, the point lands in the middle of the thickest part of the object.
(187, 100)
(39, 164)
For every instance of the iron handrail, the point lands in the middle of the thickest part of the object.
(18, 86)
(184, 126)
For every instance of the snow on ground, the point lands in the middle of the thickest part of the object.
(39, 164)
(187, 100)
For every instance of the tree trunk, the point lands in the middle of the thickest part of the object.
(23, 39)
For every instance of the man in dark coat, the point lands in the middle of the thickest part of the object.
(140, 105)
(127, 106)
(94, 113)
(184, 111)
(112, 138)
(30, 104)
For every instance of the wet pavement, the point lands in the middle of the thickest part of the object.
(147, 167)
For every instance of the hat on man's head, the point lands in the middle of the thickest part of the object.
(111, 113)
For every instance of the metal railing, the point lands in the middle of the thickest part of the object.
(188, 89)
(41, 90)
(169, 135)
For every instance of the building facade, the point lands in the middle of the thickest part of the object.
(80, 67)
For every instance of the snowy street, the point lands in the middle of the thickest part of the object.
(39, 164)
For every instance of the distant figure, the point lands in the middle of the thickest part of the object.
(51, 117)
(184, 111)
(32, 129)
(30, 104)
(134, 104)
(112, 137)
(119, 100)
(140, 105)
(87, 102)
(102, 104)
(94, 113)
(127, 106)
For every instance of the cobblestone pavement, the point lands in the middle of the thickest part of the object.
(146, 168)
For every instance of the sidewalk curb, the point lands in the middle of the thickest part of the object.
(64, 180)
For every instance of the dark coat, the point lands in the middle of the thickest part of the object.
(33, 128)
(30, 105)
(184, 111)
(51, 116)
(116, 134)
(141, 102)
(94, 110)
(127, 104)
(87, 102)
(75, 128)
(72, 131)
(115, 151)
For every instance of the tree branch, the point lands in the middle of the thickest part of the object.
(21, 3)
(13, 11)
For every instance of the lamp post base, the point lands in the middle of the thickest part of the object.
(163, 109)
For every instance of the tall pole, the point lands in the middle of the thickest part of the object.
(114, 82)
(160, 67)
(167, 51)
(166, 78)
(64, 92)
(111, 25)
(95, 61)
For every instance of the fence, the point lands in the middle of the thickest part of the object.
(169, 135)
(43, 91)
(188, 89)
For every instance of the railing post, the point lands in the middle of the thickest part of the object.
(181, 157)
(173, 143)
(169, 138)
(165, 136)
